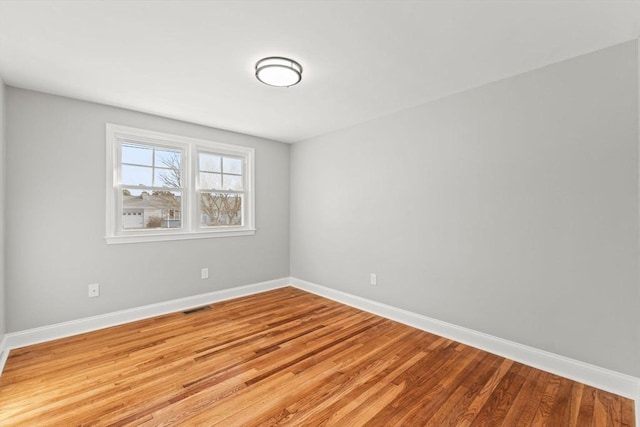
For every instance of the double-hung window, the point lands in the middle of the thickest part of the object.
(168, 187)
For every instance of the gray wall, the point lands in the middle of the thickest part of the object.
(510, 209)
(55, 218)
(2, 210)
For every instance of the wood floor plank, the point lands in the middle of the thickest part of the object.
(285, 357)
(461, 398)
(522, 409)
(355, 383)
(561, 409)
(473, 410)
(439, 388)
(498, 404)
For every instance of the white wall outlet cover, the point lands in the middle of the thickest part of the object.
(94, 290)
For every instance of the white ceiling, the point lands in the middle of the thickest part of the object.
(193, 60)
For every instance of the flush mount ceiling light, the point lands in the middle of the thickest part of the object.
(278, 71)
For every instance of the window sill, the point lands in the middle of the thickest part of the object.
(143, 238)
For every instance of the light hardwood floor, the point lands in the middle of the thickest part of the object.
(286, 357)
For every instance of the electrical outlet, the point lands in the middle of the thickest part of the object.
(94, 290)
(374, 279)
(204, 273)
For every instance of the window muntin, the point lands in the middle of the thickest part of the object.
(165, 187)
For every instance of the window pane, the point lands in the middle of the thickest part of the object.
(160, 210)
(136, 175)
(217, 210)
(167, 178)
(232, 182)
(136, 154)
(231, 165)
(209, 162)
(171, 159)
(210, 181)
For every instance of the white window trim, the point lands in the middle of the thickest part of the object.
(190, 222)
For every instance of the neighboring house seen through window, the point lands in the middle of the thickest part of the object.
(150, 179)
(166, 187)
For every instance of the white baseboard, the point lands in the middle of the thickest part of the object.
(73, 327)
(604, 379)
(4, 351)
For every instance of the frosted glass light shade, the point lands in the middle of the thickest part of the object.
(278, 71)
